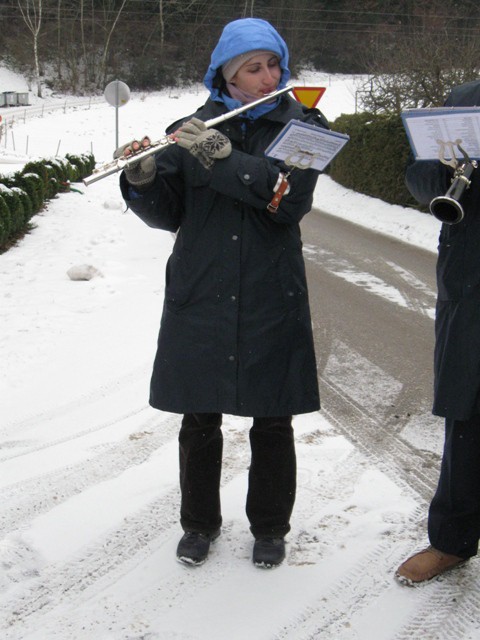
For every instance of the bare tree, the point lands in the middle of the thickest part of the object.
(110, 31)
(434, 48)
(82, 36)
(175, 7)
(31, 11)
(248, 9)
(420, 73)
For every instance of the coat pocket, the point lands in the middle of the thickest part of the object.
(290, 270)
(177, 282)
(451, 262)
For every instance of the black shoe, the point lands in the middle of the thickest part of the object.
(268, 552)
(193, 547)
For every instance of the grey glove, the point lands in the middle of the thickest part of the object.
(139, 174)
(206, 145)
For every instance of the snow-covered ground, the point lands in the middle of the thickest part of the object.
(88, 471)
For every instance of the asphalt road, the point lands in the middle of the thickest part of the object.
(372, 301)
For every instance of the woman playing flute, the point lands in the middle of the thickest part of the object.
(235, 335)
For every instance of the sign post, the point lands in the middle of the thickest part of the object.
(117, 94)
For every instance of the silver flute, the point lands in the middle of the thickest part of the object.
(120, 163)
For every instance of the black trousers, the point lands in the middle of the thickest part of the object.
(271, 479)
(454, 514)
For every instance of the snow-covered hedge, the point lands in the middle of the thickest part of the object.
(24, 194)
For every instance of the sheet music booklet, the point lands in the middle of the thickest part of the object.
(306, 146)
(430, 129)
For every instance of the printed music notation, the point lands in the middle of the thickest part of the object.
(430, 130)
(305, 146)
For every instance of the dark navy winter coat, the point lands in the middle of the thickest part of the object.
(235, 333)
(457, 323)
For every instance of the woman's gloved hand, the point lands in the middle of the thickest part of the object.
(139, 174)
(206, 145)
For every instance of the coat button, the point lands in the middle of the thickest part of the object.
(231, 358)
(234, 237)
(246, 176)
(233, 297)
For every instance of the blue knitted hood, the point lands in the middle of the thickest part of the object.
(241, 36)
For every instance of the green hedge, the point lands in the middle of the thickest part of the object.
(375, 159)
(25, 193)
(5, 221)
(16, 212)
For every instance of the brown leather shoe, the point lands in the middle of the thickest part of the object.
(425, 565)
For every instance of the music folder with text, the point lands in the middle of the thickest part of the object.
(438, 130)
(305, 146)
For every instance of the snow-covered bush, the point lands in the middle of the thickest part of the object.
(25, 193)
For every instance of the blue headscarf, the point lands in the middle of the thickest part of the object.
(242, 36)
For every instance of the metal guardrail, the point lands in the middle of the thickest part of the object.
(10, 115)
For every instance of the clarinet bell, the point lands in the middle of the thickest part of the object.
(447, 210)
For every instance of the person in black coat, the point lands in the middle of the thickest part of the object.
(454, 513)
(235, 334)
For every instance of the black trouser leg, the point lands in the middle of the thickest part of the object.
(201, 444)
(454, 515)
(272, 476)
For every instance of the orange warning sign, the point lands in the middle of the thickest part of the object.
(309, 96)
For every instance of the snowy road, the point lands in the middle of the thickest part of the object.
(88, 484)
(373, 303)
(373, 306)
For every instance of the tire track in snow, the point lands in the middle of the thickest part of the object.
(406, 467)
(419, 296)
(402, 287)
(66, 410)
(114, 554)
(433, 619)
(340, 596)
(331, 611)
(400, 461)
(27, 499)
(110, 555)
(428, 617)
